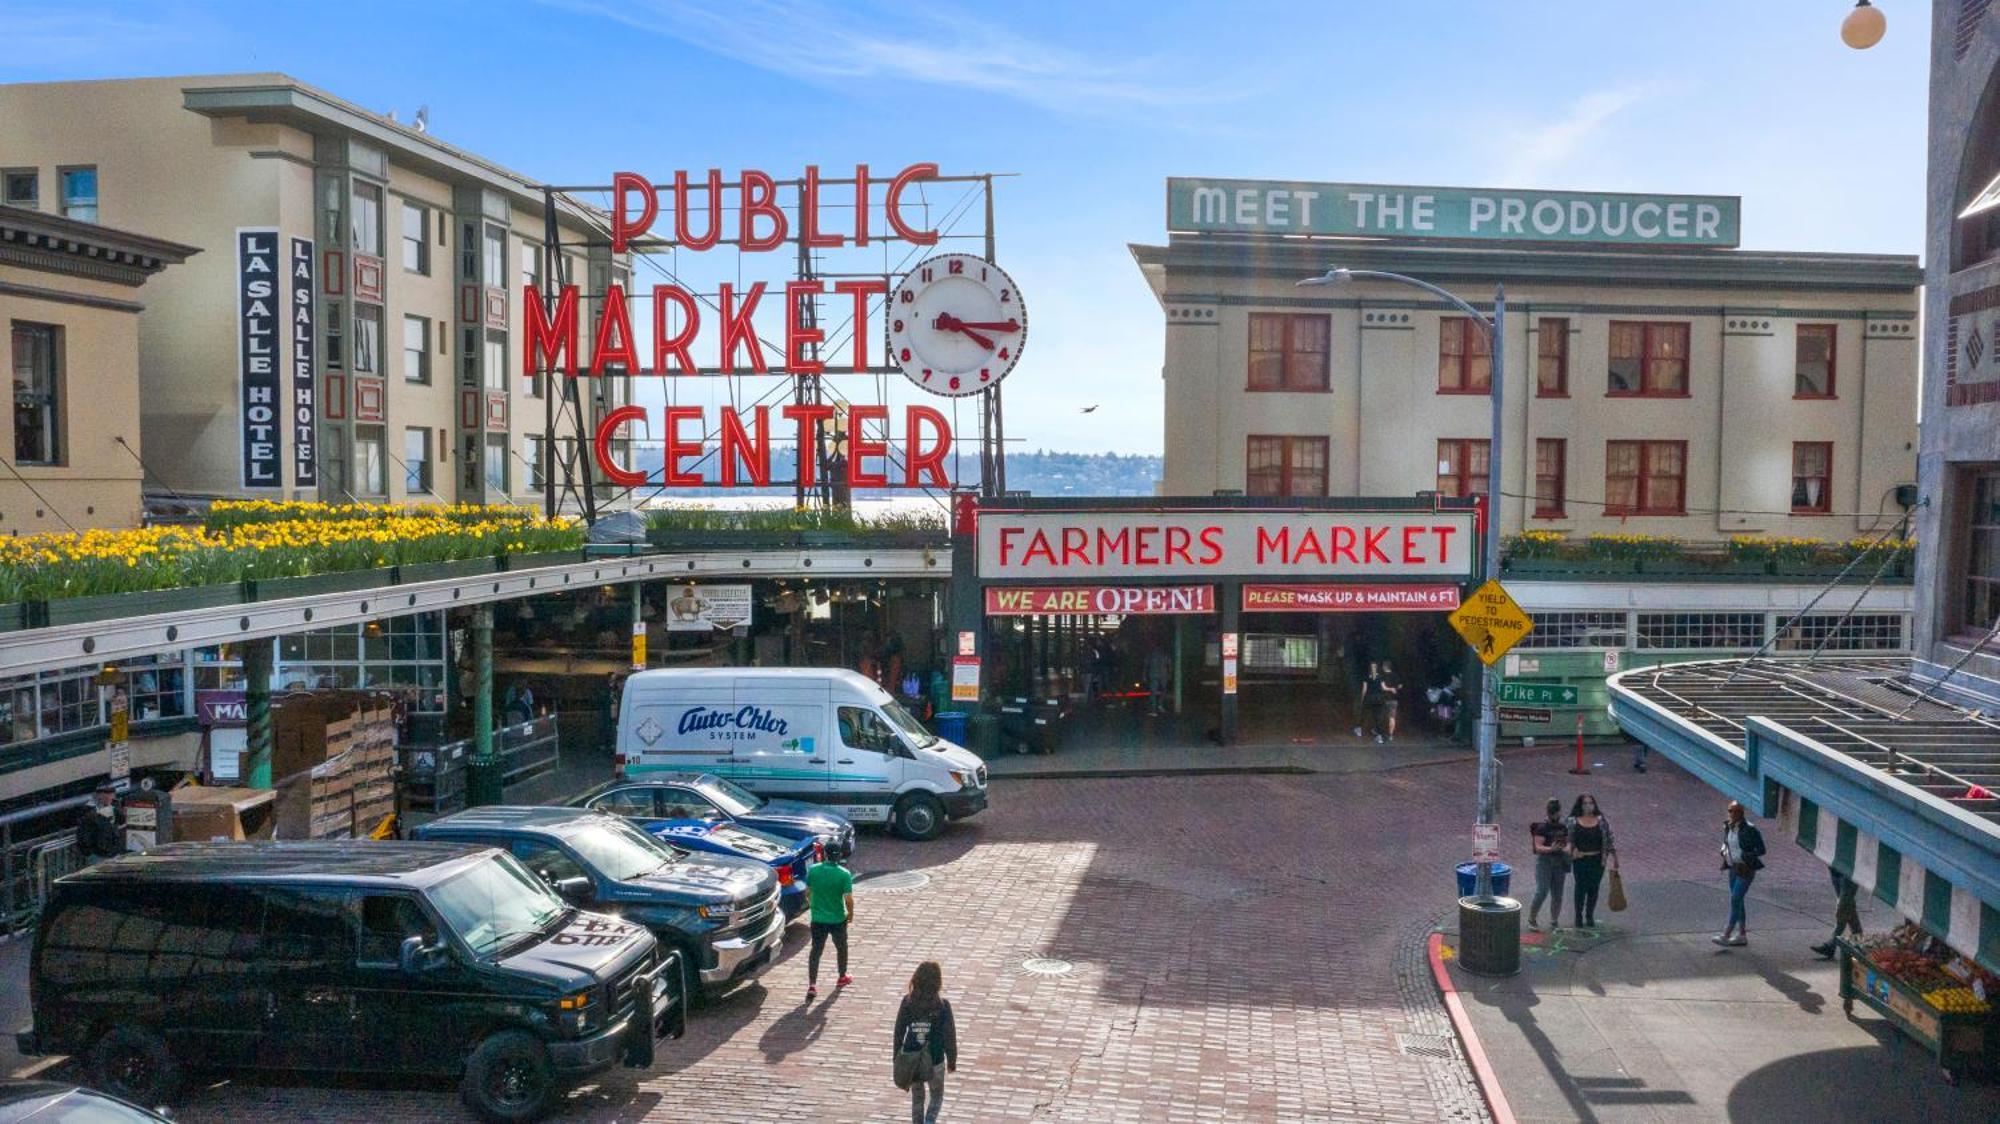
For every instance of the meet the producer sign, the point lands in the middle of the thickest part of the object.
(1176, 544)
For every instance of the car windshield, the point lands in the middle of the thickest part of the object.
(494, 903)
(620, 851)
(732, 798)
(906, 722)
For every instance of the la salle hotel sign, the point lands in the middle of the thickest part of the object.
(1462, 213)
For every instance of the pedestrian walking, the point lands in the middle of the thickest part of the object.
(926, 1042)
(830, 904)
(1638, 756)
(1551, 843)
(1364, 709)
(1392, 687)
(1590, 847)
(1742, 852)
(1846, 918)
(100, 833)
(1159, 677)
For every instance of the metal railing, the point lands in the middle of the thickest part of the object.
(27, 869)
(434, 776)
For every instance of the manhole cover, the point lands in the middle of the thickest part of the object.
(891, 882)
(1429, 1045)
(1047, 966)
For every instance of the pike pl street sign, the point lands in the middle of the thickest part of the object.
(1538, 694)
(1491, 621)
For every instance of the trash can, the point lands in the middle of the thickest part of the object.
(1489, 935)
(1468, 878)
(983, 730)
(950, 725)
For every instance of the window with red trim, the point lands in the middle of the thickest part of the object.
(1551, 471)
(1465, 356)
(1285, 466)
(1814, 362)
(1648, 359)
(1812, 477)
(1462, 466)
(1645, 478)
(1552, 358)
(1288, 351)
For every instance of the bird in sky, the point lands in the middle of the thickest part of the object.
(1088, 410)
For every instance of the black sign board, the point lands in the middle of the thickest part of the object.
(1539, 714)
(305, 386)
(257, 356)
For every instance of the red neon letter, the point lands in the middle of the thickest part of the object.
(601, 445)
(735, 442)
(617, 320)
(861, 204)
(861, 291)
(672, 476)
(917, 460)
(737, 330)
(674, 347)
(799, 335)
(893, 205)
(809, 213)
(622, 228)
(760, 197)
(714, 209)
(554, 341)
(859, 446)
(809, 419)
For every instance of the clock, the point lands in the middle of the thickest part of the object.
(956, 324)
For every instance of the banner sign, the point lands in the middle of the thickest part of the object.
(1128, 601)
(305, 384)
(1349, 598)
(257, 355)
(1466, 213)
(221, 708)
(1206, 544)
(707, 608)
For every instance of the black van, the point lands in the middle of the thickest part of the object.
(421, 958)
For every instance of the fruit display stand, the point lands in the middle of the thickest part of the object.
(1928, 993)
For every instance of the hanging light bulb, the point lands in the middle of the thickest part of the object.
(1864, 26)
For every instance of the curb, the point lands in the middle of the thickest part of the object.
(1482, 1070)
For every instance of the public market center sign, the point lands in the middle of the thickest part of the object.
(1171, 543)
(1461, 213)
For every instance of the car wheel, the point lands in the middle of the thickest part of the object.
(509, 1078)
(919, 816)
(136, 1065)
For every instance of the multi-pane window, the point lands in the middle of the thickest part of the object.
(49, 704)
(1814, 362)
(1982, 555)
(336, 344)
(21, 187)
(534, 452)
(1465, 356)
(155, 687)
(495, 259)
(79, 193)
(1648, 358)
(531, 266)
(1856, 632)
(1288, 351)
(404, 654)
(38, 384)
(367, 338)
(1645, 478)
(496, 361)
(1737, 631)
(370, 467)
(1550, 455)
(1285, 466)
(416, 239)
(1552, 358)
(1587, 628)
(417, 459)
(496, 464)
(1462, 466)
(416, 349)
(365, 220)
(1812, 477)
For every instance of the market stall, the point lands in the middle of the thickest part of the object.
(1929, 992)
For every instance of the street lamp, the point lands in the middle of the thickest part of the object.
(1489, 679)
(1864, 26)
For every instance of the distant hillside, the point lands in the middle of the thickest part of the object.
(1041, 473)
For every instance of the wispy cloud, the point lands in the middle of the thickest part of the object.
(1539, 153)
(811, 41)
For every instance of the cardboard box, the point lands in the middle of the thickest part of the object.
(200, 814)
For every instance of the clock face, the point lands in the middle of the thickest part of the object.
(956, 324)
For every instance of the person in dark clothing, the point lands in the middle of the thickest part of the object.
(1392, 689)
(1551, 842)
(1590, 847)
(924, 1022)
(1846, 918)
(100, 834)
(1742, 852)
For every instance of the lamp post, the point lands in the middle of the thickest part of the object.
(1489, 679)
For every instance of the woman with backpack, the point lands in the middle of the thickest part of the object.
(926, 1042)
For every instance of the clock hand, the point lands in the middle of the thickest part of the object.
(992, 325)
(946, 322)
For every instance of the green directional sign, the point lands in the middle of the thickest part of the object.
(1538, 694)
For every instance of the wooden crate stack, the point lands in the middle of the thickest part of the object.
(335, 754)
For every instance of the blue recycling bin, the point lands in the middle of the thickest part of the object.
(1468, 877)
(950, 725)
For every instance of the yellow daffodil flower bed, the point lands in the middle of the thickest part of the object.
(1742, 548)
(260, 540)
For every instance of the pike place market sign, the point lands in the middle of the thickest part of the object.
(1463, 213)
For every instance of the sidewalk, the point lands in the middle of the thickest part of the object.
(1104, 760)
(1648, 1020)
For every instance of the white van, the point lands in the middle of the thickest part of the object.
(822, 735)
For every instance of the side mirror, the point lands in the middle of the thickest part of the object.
(575, 890)
(416, 957)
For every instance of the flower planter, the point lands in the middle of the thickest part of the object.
(112, 606)
(17, 615)
(544, 558)
(667, 538)
(1705, 567)
(275, 589)
(438, 571)
(1556, 569)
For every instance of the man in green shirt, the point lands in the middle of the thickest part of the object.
(830, 903)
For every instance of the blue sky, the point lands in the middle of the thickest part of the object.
(1094, 105)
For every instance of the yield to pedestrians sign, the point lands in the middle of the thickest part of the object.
(1491, 621)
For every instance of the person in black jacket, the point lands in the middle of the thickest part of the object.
(100, 834)
(1742, 854)
(924, 1022)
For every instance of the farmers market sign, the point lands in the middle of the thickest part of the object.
(1171, 543)
(1466, 213)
